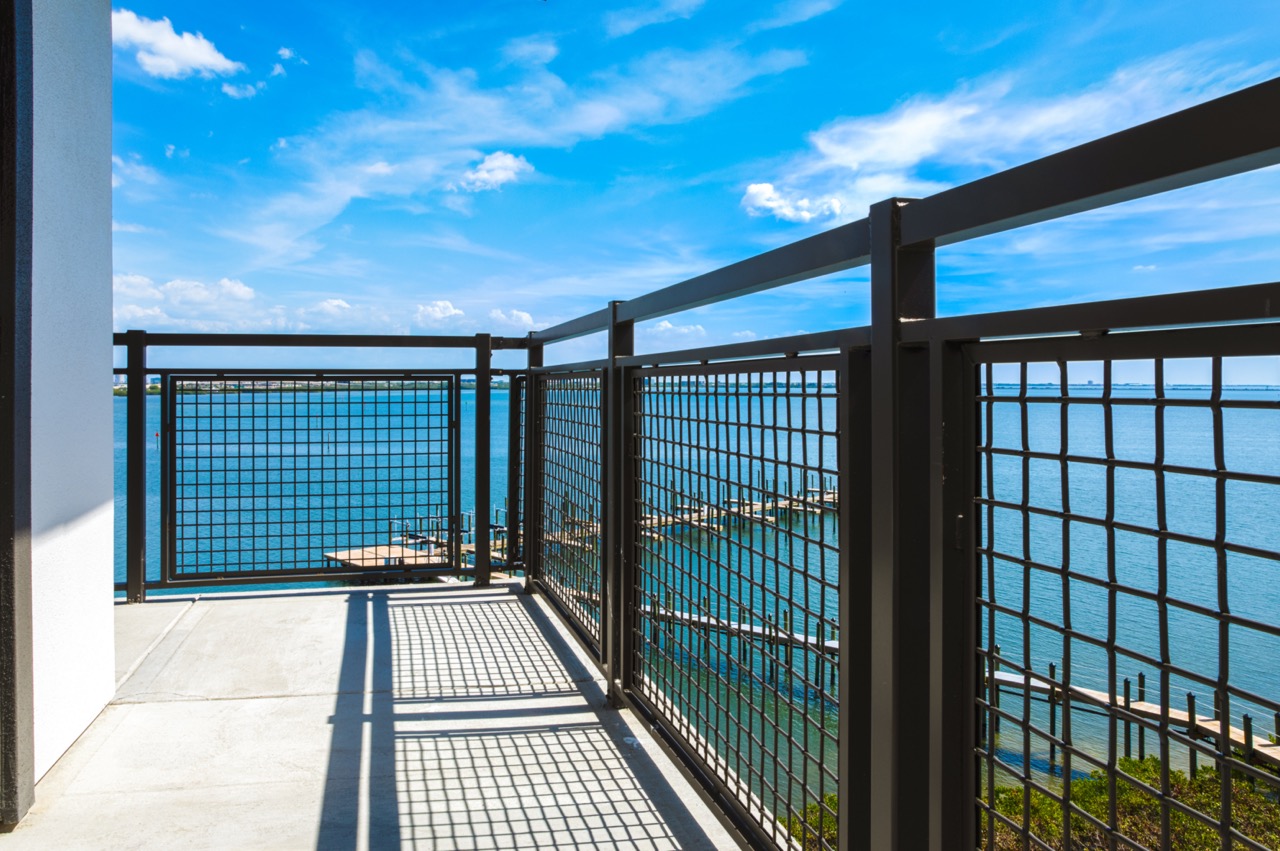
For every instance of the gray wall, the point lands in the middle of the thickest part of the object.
(71, 414)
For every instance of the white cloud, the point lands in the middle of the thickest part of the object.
(762, 199)
(435, 313)
(244, 91)
(193, 292)
(530, 50)
(126, 227)
(793, 12)
(189, 305)
(162, 52)
(928, 143)
(285, 53)
(1149, 267)
(332, 307)
(493, 171)
(626, 21)
(131, 169)
(136, 316)
(227, 290)
(665, 331)
(439, 123)
(379, 168)
(519, 320)
(277, 70)
(135, 286)
(743, 336)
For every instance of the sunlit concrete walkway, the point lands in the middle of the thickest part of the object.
(430, 717)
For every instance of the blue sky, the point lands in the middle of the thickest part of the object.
(497, 166)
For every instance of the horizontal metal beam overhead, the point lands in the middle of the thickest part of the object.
(328, 341)
(1201, 307)
(840, 248)
(1230, 135)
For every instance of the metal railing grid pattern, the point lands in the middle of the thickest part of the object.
(269, 474)
(517, 465)
(735, 637)
(571, 511)
(1125, 530)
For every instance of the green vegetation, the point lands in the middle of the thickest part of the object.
(816, 828)
(1254, 812)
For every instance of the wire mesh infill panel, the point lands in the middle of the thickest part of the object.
(1129, 618)
(571, 511)
(737, 580)
(286, 476)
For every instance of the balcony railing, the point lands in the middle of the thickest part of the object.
(916, 584)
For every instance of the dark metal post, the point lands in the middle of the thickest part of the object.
(902, 287)
(17, 715)
(615, 615)
(136, 468)
(484, 434)
(854, 501)
(953, 679)
(514, 466)
(532, 471)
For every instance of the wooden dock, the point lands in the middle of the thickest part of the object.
(764, 633)
(388, 555)
(1202, 728)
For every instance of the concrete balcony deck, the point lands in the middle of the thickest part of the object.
(444, 717)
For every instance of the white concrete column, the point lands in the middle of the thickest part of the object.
(71, 414)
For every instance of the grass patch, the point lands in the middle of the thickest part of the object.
(1253, 812)
(817, 827)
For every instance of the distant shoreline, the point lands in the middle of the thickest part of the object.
(328, 386)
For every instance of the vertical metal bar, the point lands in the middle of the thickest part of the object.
(902, 287)
(17, 715)
(514, 465)
(954, 679)
(532, 470)
(168, 481)
(484, 432)
(854, 501)
(628, 587)
(455, 474)
(613, 491)
(136, 468)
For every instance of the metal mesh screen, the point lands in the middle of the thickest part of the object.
(515, 512)
(1129, 624)
(736, 641)
(571, 547)
(278, 475)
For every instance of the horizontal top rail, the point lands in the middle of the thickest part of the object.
(328, 341)
(840, 248)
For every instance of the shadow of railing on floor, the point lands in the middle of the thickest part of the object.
(467, 721)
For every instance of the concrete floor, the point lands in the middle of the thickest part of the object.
(442, 717)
